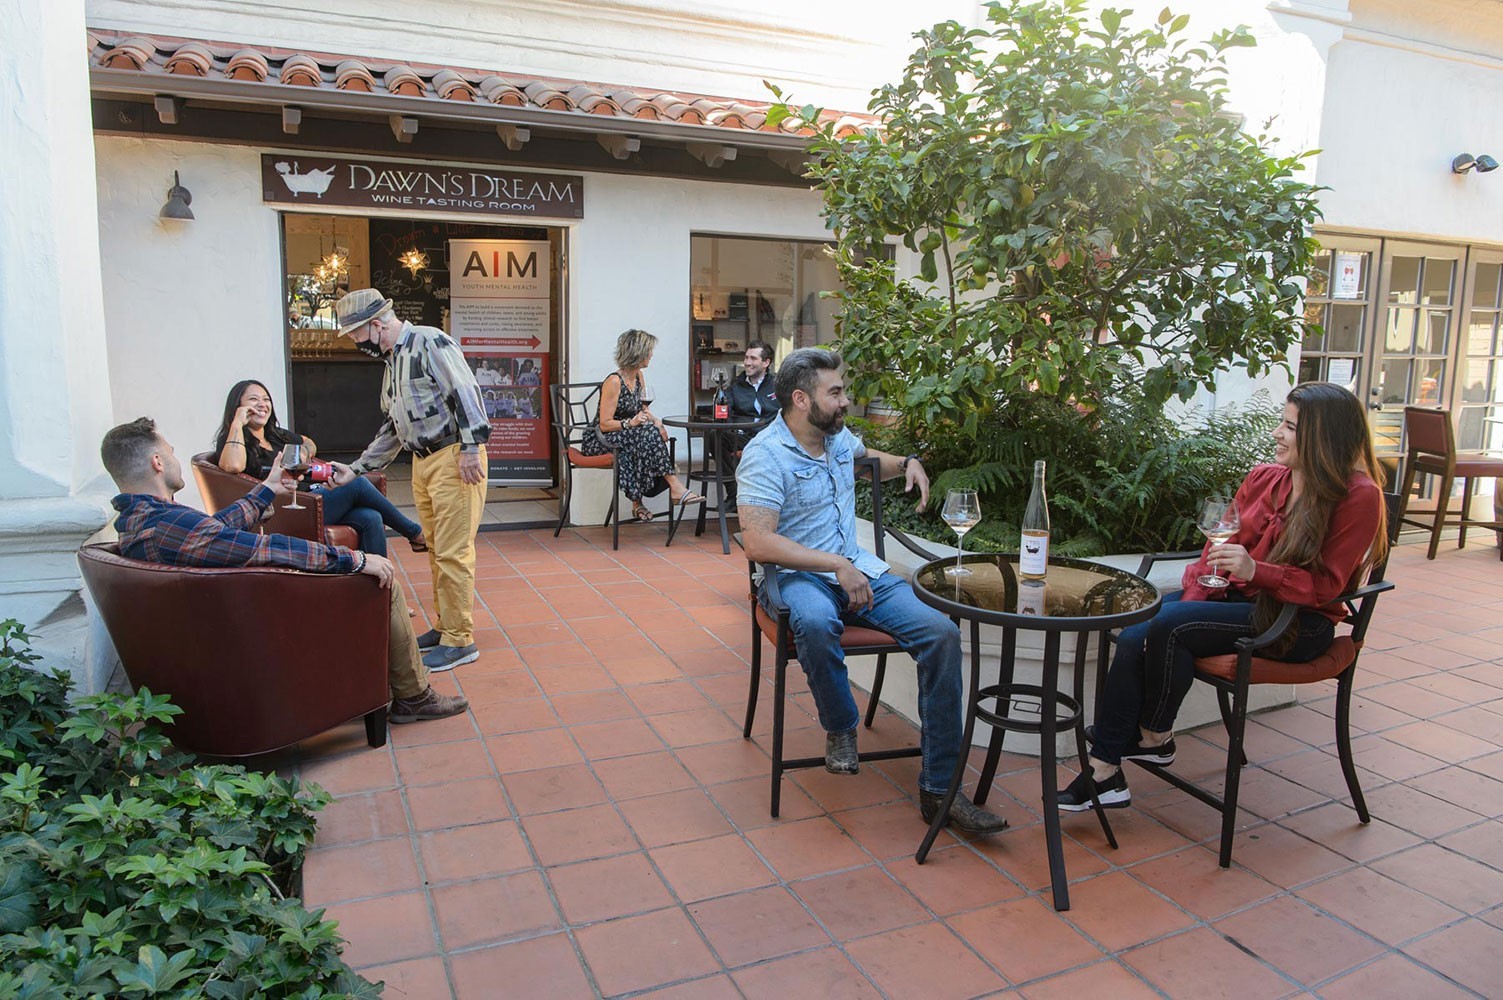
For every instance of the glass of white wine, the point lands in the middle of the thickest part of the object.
(1218, 521)
(961, 512)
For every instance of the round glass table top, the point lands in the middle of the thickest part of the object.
(695, 423)
(1074, 594)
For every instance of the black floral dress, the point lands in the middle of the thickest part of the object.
(641, 453)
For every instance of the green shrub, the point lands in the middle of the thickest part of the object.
(1126, 478)
(129, 870)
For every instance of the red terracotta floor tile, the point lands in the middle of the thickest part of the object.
(384, 929)
(1284, 933)
(1394, 976)
(441, 762)
(756, 925)
(458, 727)
(550, 789)
(1471, 953)
(458, 803)
(1192, 879)
(473, 851)
(1139, 837)
(666, 697)
(578, 835)
(537, 967)
(621, 738)
(825, 973)
(1118, 912)
(644, 774)
(695, 727)
(717, 762)
(807, 847)
(1053, 945)
(1104, 979)
(1023, 853)
(1201, 963)
(706, 868)
(890, 831)
(674, 817)
(362, 771)
(355, 818)
(592, 706)
(504, 717)
(928, 961)
(1466, 788)
(494, 909)
(1483, 842)
(1411, 809)
(1379, 906)
(608, 888)
(580, 676)
(498, 686)
(1450, 878)
(532, 750)
(747, 803)
(857, 903)
(954, 880)
(418, 977)
(709, 988)
(1284, 858)
(1335, 826)
(635, 953)
(370, 869)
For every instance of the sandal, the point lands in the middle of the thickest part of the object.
(641, 513)
(688, 499)
(418, 542)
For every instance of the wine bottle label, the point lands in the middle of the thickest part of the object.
(1033, 557)
(1031, 598)
(722, 411)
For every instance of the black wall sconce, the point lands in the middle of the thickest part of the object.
(1464, 162)
(178, 200)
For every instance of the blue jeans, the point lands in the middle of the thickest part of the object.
(817, 607)
(1155, 664)
(363, 507)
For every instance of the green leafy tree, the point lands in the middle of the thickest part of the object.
(1087, 212)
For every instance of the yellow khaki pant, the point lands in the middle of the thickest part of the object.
(404, 666)
(450, 510)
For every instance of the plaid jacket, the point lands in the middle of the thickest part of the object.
(427, 393)
(161, 531)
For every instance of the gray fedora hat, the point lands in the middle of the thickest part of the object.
(359, 307)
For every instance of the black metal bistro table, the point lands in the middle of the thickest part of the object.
(707, 429)
(1075, 596)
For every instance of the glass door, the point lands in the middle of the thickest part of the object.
(1479, 396)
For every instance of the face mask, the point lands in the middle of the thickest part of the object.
(370, 349)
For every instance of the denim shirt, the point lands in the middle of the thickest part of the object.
(815, 497)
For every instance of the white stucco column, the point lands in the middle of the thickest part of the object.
(54, 376)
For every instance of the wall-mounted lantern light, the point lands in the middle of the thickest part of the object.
(178, 200)
(1464, 162)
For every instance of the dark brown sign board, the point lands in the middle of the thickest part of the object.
(301, 179)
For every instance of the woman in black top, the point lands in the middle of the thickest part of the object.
(249, 439)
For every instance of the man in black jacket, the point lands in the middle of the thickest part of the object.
(752, 398)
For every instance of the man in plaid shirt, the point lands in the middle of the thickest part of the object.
(154, 528)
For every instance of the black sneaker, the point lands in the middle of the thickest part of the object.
(1112, 792)
(840, 753)
(1162, 755)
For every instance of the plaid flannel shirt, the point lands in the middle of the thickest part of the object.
(427, 394)
(161, 531)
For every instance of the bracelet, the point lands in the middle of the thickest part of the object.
(903, 465)
(361, 568)
(240, 443)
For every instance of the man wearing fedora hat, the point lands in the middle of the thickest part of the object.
(433, 409)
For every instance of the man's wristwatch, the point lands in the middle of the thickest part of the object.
(903, 465)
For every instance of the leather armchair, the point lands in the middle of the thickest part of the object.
(246, 652)
(220, 489)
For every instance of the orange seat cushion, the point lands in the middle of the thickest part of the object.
(854, 635)
(580, 460)
(1325, 666)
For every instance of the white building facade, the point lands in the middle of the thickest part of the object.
(693, 223)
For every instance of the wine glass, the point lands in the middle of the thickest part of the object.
(294, 462)
(646, 395)
(961, 512)
(1218, 521)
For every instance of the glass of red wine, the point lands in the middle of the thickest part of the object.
(295, 462)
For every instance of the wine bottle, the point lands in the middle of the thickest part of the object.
(1033, 557)
(722, 399)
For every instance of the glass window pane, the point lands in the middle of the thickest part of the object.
(1401, 330)
(1315, 314)
(1492, 430)
(1320, 274)
(1344, 328)
(1486, 293)
(1469, 429)
(1431, 377)
(1403, 281)
(1309, 369)
(1394, 382)
(1479, 340)
(1388, 429)
(1495, 386)
(1435, 336)
(1437, 286)
(1474, 384)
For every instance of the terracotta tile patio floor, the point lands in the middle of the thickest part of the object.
(596, 826)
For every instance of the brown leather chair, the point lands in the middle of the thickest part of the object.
(220, 489)
(1432, 450)
(258, 658)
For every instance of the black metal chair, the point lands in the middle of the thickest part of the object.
(1234, 673)
(857, 640)
(574, 404)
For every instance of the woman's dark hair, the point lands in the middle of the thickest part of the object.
(1332, 441)
(276, 435)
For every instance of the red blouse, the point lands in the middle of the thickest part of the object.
(1262, 501)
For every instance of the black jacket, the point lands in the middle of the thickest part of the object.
(743, 397)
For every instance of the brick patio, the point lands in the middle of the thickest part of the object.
(597, 826)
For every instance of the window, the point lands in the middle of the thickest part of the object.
(1480, 397)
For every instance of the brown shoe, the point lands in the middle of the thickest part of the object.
(428, 705)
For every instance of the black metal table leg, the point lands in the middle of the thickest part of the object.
(725, 535)
(1047, 770)
(999, 734)
(1080, 743)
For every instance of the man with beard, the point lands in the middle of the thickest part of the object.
(433, 409)
(798, 510)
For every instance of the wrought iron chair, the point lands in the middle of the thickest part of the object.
(1432, 451)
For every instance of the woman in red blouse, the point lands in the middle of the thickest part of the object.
(1311, 525)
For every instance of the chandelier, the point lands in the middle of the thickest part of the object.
(333, 267)
(414, 260)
